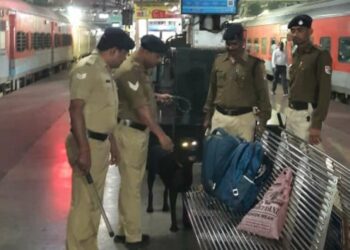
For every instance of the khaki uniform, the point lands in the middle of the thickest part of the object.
(310, 83)
(235, 86)
(135, 90)
(92, 82)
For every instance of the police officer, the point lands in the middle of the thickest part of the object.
(237, 84)
(93, 108)
(310, 83)
(136, 117)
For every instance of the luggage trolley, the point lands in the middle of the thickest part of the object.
(310, 205)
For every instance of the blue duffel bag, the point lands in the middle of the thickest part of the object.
(244, 177)
(217, 150)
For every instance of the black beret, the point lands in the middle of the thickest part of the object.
(233, 32)
(115, 38)
(301, 20)
(153, 44)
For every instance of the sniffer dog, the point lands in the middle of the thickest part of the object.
(175, 171)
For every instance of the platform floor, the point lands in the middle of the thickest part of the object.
(35, 185)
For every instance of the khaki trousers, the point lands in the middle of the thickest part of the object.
(299, 124)
(133, 146)
(84, 214)
(239, 125)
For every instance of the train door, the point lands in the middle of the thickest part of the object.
(52, 33)
(4, 56)
(289, 48)
(12, 39)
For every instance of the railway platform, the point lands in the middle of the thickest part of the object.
(35, 184)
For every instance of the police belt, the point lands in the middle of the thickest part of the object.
(297, 105)
(96, 135)
(132, 124)
(234, 111)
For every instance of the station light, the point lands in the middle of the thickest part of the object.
(74, 15)
(103, 15)
(174, 8)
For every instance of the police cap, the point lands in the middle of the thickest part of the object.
(115, 38)
(301, 20)
(233, 32)
(153, 44)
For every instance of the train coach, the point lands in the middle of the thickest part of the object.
(331, 31)
(35, 41)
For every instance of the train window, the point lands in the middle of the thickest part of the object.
(2, 40)
(47, 40)
(273, 45)
(32, 41)
(249, 44)
(42, 40)
(325, 43)
(57, 40)
(66, 40)
(256, 45)
(70, 40)
(27, 40)
(2, 35)
(264, 45)
(36, 41)
(344, 50)
(21, 41)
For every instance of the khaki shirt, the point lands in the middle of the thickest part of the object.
(238, 84)
(91, 81)
(310, 81)
(135, 89)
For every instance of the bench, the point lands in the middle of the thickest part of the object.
(310, 207)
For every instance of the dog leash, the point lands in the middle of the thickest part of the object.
(178, 100)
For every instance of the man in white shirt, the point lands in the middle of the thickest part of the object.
(279, 66)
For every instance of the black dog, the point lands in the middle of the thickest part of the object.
(175, 170)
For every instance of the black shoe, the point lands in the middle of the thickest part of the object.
(119, 239)
(122, 238)
(138, 244)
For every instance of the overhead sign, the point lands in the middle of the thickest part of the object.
(152, 12)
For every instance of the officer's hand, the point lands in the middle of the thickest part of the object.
(206, 123)
(314, 136)
(166, 143)
(164, 98)
(115, 156)
(260, 128)
(84, 161)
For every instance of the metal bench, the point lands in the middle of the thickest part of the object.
(341, 208)
(309, 209)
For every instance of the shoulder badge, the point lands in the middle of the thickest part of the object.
(328, 69)
(134, 86)
(81, 76)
